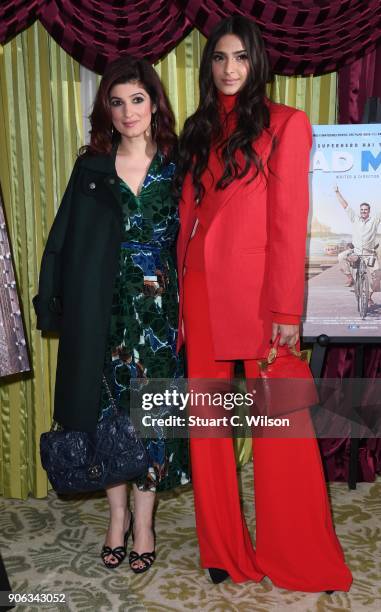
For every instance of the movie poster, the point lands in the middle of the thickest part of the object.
(13, 352)
(343, 288)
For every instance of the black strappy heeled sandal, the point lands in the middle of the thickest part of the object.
(119, 552)
(147, 558)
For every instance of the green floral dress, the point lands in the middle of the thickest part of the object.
(142, 337)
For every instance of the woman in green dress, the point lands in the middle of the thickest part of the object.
(108, 284)
(142, 336)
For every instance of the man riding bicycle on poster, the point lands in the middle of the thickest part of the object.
(364, 235)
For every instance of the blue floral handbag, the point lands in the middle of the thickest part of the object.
(77, 461)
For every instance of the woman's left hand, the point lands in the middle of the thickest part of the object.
(289, 334)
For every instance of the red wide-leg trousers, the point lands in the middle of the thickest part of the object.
(296, 545)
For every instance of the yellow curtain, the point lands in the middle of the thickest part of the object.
(315, 95)
(179, 72)
(41, 124)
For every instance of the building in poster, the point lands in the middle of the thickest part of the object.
(344, 228)
(13, 351)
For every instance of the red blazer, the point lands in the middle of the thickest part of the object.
(255, 245)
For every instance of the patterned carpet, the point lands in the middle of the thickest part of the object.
(52, 546)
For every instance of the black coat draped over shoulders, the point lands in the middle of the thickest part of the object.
(78, 271)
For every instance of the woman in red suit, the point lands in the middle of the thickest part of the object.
(243, 169)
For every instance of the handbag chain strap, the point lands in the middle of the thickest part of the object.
(110, 396)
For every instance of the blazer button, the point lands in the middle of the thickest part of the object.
(92, 185)
(111, 181)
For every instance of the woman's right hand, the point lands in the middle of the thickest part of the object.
(289, 334)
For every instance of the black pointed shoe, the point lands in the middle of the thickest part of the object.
(217, 575)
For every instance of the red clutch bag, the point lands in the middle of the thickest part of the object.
(286, 383)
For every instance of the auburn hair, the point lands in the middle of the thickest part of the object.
(124, 70)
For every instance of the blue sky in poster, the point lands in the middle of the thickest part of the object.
(348, 156)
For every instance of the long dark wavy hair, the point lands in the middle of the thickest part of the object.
(204, 126)
(124, 70)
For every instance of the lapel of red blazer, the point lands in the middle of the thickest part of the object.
(188, 214)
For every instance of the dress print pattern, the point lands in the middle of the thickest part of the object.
(143, 325)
